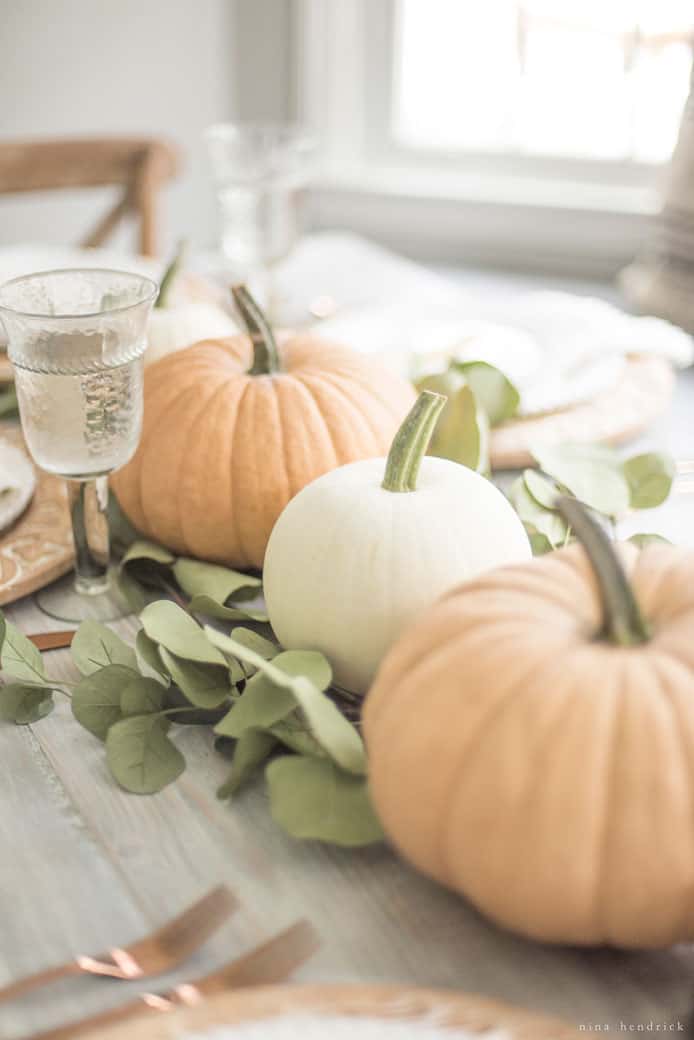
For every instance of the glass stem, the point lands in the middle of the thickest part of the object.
(88, 502)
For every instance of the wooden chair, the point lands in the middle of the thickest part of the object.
(139, 165)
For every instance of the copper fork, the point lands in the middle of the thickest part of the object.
(156, 954)
(272, 962)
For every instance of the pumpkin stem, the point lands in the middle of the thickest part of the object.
(411, 442)
(624, 623)
(171, 274)
(266, 359)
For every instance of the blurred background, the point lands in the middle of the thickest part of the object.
(524, 134)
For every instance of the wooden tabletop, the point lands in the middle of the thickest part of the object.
(85, 866)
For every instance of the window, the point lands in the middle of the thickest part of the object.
(586, 79)
(527, 133)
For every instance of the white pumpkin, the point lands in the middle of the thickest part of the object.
(356, 555)
(171, 328)
(175, 323)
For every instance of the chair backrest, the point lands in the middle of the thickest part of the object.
(139, 165)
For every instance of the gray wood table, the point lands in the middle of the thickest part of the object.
(85, 866)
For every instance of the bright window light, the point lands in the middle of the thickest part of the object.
(591, 79)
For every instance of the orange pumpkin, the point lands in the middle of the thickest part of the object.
(531, 744)
(234, 428)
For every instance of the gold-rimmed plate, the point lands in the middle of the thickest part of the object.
(449, 1012)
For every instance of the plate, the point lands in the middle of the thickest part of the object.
(441, 1008)
(38, 548)
(641, 396)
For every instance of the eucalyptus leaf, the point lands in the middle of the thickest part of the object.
(325, 721)
(24, 704)
(537, 519)
(650, 478)
(140, 755)
(642, 539)
(544, 490)
(169, 626)
(252, 749)
(205, 686)
(3, 630)
(202, 604)
(254, 641)
(121, 532)
(20, 658)
(539, 543)
(149, 660)
(133, 591)
(312, 798)
(292, 731)
(94, 646)
(142, 696)
(142, 549)
(591, 472)
(9, 407)
(462, 432)
(494, 391)
(264, 702)
(96, 700)
(211, 579)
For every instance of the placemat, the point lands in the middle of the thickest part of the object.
(38, 548)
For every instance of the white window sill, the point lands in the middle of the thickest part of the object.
(527, 223)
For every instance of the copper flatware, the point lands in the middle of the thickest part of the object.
(52, 640)
(156, 954)
(272, 962)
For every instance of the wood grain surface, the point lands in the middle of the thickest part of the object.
(38, 548)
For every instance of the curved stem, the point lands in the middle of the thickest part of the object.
(624, 623)
(266, 358)
(411, 442)
(171, 274)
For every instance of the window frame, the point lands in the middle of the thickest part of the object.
(574, 216)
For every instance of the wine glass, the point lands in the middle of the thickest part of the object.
(260, 171)
(76, 341)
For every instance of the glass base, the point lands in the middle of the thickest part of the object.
(64, 602)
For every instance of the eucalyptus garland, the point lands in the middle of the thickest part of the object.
(269, 709)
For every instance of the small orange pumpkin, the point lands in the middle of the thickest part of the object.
(234, 428)
(531, 744)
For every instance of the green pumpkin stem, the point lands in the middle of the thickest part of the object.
(266, 359)
(624, 624)
(411, 442)
(171, 274)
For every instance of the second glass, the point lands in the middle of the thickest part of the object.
(76, 341)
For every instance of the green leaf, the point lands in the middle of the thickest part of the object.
(494, 391)
(312, 798)
(251, 751)
(148, 659)
(292, 731)
(591, 472)
(537, 519)
(143, 549)
(539, 543)
(140, 755)
(210, 579)
(202, 604)
(167, 624)
(3, 630)
(20, 657)
(142, 696)
(24, 704)
(121, 531)
(542, 489)
(94, 646)
(325, 721)
(264, 702)
(642, 539)
(205, 686)
(8, 402)
(650, 478)
(462, 432)
(135, 593)
(254, 641)
(96, 700)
